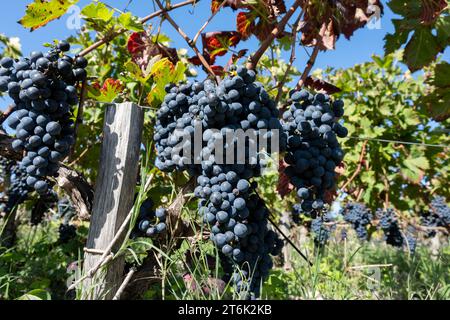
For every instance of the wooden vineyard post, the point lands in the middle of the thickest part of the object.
(114, 196)
(287, 249)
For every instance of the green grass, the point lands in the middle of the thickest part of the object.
(37, 267)
(354, 270)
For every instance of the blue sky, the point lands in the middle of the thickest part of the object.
(364, 43)
(360, 48)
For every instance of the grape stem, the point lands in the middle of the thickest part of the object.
(291, 59)
(188, 40)
(254, 58)
(197, 35)
(358, 168)
(143, 20)
(311, 61)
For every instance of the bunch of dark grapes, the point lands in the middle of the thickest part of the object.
(437, 216)
(66, 232)
(237, 103)
(228, 202)
(66, 211)
(18, 189)
(322, 227)
(5, 168)
(313, 150)
(177, 118)
(43, 88)
(360, 217)
(297, 211)
(411, 238)
(150, 223)
(388, 222)
(42, 205)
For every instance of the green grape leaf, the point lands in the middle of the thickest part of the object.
(442, 75)
(394, 41)
(97, 11)
(129, 22)
(413, 168)
(438, 104)
(40, 12)
(443, 30)
(163, 73)
(36, 294)
(421, 50)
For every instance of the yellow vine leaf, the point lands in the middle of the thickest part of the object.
(41, 12)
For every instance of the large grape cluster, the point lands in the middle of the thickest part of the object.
(228, 202)
(150, 223)
(313, 150)
(239, 229)
(237, 103)
(388, 222)
(43, 88)
(359, 216)
(437, 216)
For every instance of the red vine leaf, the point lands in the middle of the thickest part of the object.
(111, 84)
(196, 61)
(276, 7)
(241, 53)
(263, 28)
(220, 39)
(142, 48)
(321, 85)
(260, 18)
(245, 22)
(284, 185)
(325, 21)
(218, 70)
(233, 4)
(217, 43)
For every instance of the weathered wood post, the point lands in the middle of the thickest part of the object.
(285, 227)
(114, 195)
